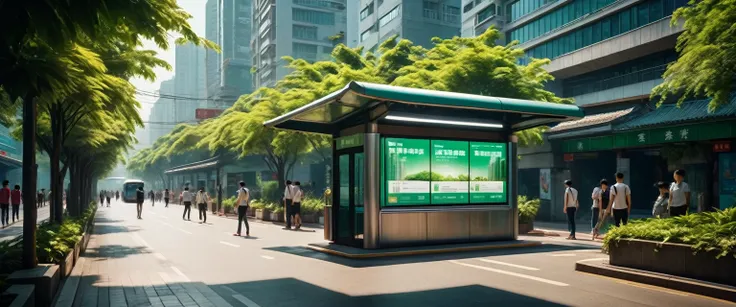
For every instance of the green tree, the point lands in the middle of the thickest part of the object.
(706, 66)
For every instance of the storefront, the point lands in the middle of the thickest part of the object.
(417, 167)
(648, 145)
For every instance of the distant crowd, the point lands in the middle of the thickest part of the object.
(10, 201)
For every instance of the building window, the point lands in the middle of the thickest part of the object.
(451, 14)
(321, 4)
(304, 51)
(367, 11)
(389, 17)
(487, 13)
(615, 24)
(304, 32)
(431, 10)
(468, 7)
(366, 34)
(313, 17)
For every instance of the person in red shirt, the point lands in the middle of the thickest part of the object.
(15, 197)
(5, 204)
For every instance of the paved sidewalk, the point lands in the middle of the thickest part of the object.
(16, 229)
(119, 269)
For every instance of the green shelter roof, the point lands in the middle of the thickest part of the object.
(360, 100)
(689, 111)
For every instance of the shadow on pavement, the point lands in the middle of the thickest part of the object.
(374, 262)
(110, 229)
(286, 292)
(114, 251)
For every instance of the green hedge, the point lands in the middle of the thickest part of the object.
(705, 231)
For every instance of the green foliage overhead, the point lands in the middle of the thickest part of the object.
(706, 231)
(706, 66)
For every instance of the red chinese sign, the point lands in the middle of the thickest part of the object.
(569, 157)
(722, 147)
(207, 113)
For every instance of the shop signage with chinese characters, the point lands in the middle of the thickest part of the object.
(722, 147)
(355, 140)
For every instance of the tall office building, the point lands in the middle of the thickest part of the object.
(189, 83)
(307, 29)
(162, 117)
(228, 74)
(415, 20)
(607, 55)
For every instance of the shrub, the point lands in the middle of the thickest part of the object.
(55, 241)
(10, 260)
(706, 231)
(311, 205)
(257, 204)
(228, 204)
(528, 209)
(270, 191)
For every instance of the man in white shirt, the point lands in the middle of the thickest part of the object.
(571, 206)
(243, 203)
(288, 201)
(679, 194)
(620, 201)
(202, 199)
(296, 208)
(186, 198)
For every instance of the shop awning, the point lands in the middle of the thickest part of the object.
(9, 161)
(670, 114)
(196, 166)
(590, 120)
(367, 101)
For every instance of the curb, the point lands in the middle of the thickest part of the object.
(661, 280)
(421, 251)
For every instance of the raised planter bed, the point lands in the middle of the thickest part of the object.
(674, 259)
(19, 296)
(277, 216)
(250, 212)
(263, 214)
(525, 228)
(45, 278)
(66, 266)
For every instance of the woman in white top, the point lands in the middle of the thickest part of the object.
(679, 194)
(571, 206)
(202, 200)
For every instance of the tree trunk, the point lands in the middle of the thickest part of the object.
(55, 158)
(73, 201)
(29, 183)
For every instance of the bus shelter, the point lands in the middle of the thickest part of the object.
(420, 167)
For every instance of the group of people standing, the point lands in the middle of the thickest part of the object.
(293, 195)
(9, 200)
(615, 201)
(201, 198)
(107, 195)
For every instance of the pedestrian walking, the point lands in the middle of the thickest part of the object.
(601, 195)
(117, 195)
(39, 199)
(151, 195)
(102, 198)
(5, 204)
(620, 201)
(166, 197)
(43, 197)
(243, 202)
(659, 210)
(108, 195)
(571, 206)
(288, 201)
(202, 199)
(186, 198)
(679, 194)
(15, 199)
(140, 197)
(296, 207)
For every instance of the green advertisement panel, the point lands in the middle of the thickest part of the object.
(449, 173)
(488, 172)
(407, 171)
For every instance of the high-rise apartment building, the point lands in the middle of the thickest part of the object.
(415, 20)
(162, 118)
(307, 29)
(189, 82)
(608, 55)
(228, 74)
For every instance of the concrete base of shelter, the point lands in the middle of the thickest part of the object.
(602, 267)
(359, 253)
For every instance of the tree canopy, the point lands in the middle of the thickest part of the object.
(706, 66)
(467, 65)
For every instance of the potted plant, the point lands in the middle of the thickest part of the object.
(528, 209)
(277, 213)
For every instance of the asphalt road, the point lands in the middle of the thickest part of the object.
(272, 268)
(16, 229)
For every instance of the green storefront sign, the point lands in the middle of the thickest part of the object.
(655, 136)
(355, 140)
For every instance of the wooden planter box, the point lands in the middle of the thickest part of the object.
(263, 214)
(526, 227)
(674, 259)
(45, 278)
(312, 218)
(66, 266)
(250, 212)
(19, 296)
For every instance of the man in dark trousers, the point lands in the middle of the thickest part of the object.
(242, 202)
(167, 194)
(140, 197)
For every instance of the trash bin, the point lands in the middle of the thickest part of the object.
(328, 223)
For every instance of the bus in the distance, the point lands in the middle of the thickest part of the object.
(129, 190)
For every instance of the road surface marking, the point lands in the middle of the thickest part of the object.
(245, 300)
(153, 212)
(592, 259)
(510, 264)
(177, 228)
(562, 255)
(159, 256)
(649, 287)
(164, 217)
(178, 272)
(266, 257)
(229, 244)
(547, 281)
